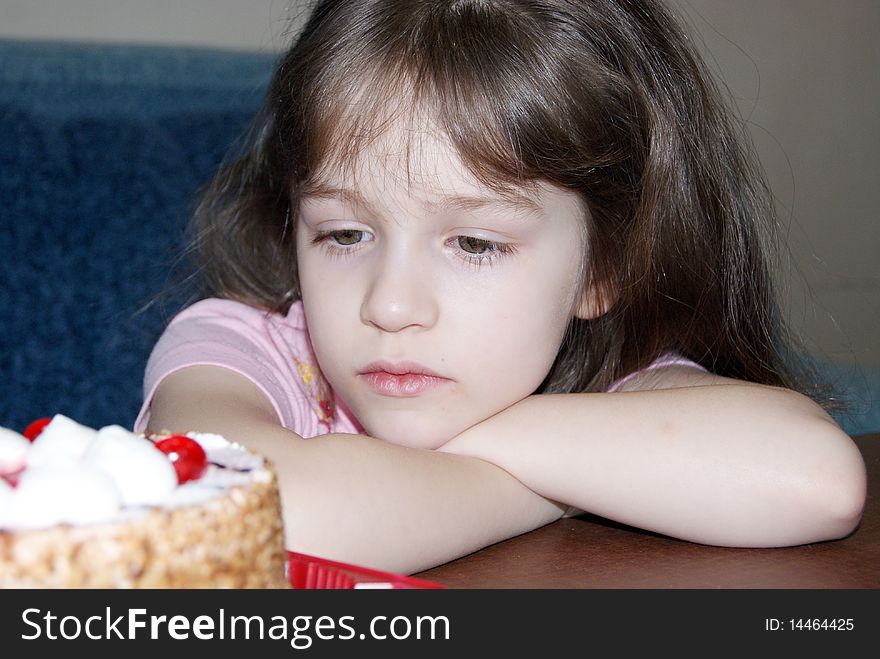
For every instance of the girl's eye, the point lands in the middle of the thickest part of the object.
(474, 245)
(335, 240)
(479, 252)
(347, 237)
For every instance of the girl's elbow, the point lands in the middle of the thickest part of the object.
(840, 489)
(849, 503)
(835, 476)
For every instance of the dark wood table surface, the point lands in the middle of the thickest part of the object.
(591, 552)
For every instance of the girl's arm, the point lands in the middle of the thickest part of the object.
(351, 497)
(683, 453)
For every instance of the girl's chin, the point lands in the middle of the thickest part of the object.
(415, 436)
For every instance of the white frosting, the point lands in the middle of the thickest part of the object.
(194, 492)
(77, 475)
(143, 474)
(63, 492)
(5, 499)
(61, 439)
(13, 451)
(233, 457)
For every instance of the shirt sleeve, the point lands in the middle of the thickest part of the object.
(666, 359)
(235, 336)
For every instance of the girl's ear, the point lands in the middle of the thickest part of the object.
(595, 301)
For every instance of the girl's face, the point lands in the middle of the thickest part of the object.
(410, 264)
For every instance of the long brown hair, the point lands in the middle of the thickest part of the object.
(606, 98)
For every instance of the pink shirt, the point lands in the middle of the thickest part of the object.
(272, 351)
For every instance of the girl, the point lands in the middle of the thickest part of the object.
(485, 261)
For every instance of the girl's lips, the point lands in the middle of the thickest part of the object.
(401, 379)
(404, 385)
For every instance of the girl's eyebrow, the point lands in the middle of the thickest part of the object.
(352, 197)
(512, 201)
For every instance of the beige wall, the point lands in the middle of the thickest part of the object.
(239, 24)
(804, 73)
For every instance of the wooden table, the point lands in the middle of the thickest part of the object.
(591, 552)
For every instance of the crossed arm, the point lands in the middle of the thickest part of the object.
(682, 453)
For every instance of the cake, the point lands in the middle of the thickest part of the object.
(107, 508)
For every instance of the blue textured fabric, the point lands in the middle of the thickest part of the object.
(102, 149)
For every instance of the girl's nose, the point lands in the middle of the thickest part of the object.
(400, 295)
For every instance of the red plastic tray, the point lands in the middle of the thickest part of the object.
(311, 572)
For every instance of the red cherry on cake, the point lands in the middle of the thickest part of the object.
(187, 456)
(35, 428)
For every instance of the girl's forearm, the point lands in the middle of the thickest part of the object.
(738, 465)
(360, 500)
(357, 499)
(351, 497)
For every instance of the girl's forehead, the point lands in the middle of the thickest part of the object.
(402, 155)
(413, 156)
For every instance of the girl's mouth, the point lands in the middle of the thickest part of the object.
(401, 379)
